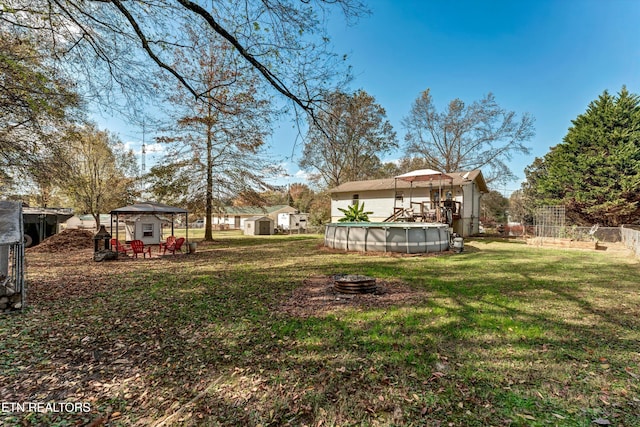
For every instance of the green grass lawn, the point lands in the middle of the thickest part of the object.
(502, 334)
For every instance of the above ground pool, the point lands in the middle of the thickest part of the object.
(407, 237)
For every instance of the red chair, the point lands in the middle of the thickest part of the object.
(137, 246)
(118, 247)
(170, 241)
(176, 246)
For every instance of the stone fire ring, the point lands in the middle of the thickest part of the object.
(354, 284)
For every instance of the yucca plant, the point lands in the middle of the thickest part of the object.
(355, 213)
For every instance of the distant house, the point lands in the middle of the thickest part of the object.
(233, 217)
(461, 192)
(88, 221)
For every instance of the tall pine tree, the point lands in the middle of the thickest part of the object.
(595, 171)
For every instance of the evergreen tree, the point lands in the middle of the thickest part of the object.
(595, 171)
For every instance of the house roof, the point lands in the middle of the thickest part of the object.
(457, 179)
(254, 210)
(149, 207)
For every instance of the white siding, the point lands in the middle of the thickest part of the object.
(147, 229)
(381, 203)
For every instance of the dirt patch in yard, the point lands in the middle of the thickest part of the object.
(317, 297)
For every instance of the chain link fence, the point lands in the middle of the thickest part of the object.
(550, 223)
(580, 234)
(630, 236)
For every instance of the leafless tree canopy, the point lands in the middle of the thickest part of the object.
(481, 135)
(108, 44)
(353, 134)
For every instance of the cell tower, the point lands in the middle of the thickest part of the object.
(144, 155)
(144, 150)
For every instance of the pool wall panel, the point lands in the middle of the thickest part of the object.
(388, 237)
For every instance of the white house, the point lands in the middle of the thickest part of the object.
(89, 222)
(460, 191)
(233, 217)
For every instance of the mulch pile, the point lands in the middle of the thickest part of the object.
(65, 241)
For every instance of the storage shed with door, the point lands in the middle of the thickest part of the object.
(258, 226)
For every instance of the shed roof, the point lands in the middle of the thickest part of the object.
(457, 179)
(258, 218)
(149, 207)
(10, 220)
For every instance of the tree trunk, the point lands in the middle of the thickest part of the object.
(208, 235)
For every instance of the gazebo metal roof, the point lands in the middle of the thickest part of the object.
(150, 208)
(423, 175)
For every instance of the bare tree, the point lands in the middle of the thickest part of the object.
(221, 143)
(353, 133)
(481, 135)
(109, 43)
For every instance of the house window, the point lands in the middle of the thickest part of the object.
(147, 230)
(355, 199)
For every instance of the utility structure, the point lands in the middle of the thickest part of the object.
(12, 287)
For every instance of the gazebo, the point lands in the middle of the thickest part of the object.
(423, 175)
(149, 209)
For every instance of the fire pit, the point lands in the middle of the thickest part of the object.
(354, 284)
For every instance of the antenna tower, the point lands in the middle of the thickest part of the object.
(144, 150)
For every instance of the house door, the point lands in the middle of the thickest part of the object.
(263, 228)
(236, 222)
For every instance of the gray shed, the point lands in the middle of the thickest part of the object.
(258, 226)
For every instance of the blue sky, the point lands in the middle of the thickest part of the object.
(547, 58)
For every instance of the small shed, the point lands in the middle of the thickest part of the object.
(258, 226)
